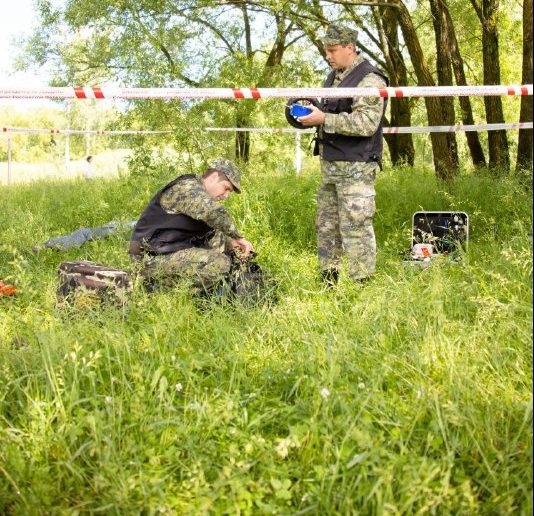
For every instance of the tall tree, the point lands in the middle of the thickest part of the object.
(488, 14)
(401, 148)
(444, 165)
(524, 148)
(444, 71)
(268, 74)
(472, 137)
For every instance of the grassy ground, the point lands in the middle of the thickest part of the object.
(411, 394)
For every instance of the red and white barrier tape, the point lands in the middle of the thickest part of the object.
(71, 92)
(75, 131)
(386, 130)
(259, 130)
(457, 128)
(389, 130)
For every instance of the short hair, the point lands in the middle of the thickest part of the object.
(211, 171)
(221, 177)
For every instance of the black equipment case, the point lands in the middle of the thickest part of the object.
(447, 231)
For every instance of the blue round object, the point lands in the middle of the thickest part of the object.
(298, 110)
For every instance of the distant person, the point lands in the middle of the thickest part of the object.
(88, 172)
(349, 142)
(185, 233)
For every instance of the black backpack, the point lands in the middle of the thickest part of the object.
(247, 284)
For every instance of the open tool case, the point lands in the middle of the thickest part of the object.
(436, 233)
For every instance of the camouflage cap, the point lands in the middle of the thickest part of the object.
(229, 170)
(340, 35)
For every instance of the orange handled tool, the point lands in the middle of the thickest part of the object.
(7, 290)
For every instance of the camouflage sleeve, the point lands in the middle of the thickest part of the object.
(190, 198)
(366, 112)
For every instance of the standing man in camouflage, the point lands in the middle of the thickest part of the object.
(350, 145)
(184, 231)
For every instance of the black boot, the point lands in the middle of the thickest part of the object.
(329, 278)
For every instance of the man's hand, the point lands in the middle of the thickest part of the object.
(315, 118)
(242, 248)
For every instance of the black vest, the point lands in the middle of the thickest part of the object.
(159, 232)
(338, 147)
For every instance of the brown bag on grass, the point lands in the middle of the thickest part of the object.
(93, 281)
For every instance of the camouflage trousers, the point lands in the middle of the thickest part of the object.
(345, 210)
(201, 267)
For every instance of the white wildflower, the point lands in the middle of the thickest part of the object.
(283, 446)
(325, 392)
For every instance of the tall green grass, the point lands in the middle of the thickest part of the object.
(411, 394)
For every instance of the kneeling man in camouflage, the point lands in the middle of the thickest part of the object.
(185, 232)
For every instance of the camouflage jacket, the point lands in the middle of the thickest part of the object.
(189, 197)
(366, 111)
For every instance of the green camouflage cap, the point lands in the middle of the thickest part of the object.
(339, 35)
(229, 170)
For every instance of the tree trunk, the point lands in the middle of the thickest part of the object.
(243, 111)
(524, 147)
(274, 60)
(488, 14)
(401, 148)
(444, 69)
(473, 140)
(242, 138)
(443, 164)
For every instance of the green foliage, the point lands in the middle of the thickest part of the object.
(158, 43)
(410, 394)
(168, 43)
